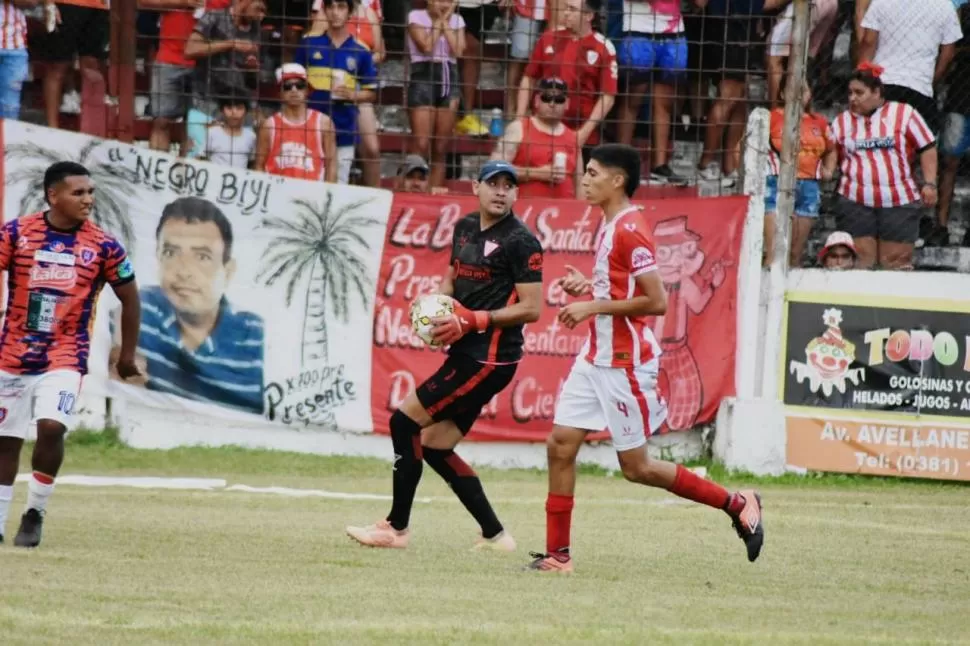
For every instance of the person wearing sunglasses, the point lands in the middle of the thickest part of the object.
(297, 141)
(543, 149)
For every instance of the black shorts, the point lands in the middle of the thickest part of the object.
(729, 47)
(890, 224)
(923, 104)
(479, 19)
(83, 31)
(461, 388)
(428, 86)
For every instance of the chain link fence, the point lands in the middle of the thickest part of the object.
(686, 78)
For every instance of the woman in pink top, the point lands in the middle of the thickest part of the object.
(653, 47)
(436, 38)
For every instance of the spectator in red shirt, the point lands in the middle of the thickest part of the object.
(171, 72)
(544, 150)
(585, 60)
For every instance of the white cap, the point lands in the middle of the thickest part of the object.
(290, 71)
(835, 239)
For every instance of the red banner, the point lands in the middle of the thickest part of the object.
(698, 245)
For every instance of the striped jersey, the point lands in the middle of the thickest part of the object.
(54, 278)
(227, 369)
(13, 27)
(625, 250)
(876, 153)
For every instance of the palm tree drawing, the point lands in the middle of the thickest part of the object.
(320, 247)
(28, 161)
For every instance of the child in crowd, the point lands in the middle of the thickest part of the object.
(230, 142)
(814, 144)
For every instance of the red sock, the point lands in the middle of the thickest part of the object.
(688, 484)
(43, 478)
(559, 516)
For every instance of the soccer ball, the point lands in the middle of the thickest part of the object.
(424, 308)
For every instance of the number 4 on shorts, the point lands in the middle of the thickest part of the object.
(621, 406)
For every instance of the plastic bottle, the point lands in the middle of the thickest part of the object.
(497, 126)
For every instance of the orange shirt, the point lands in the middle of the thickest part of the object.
(815, 142)
(297, 148)
(55, 277)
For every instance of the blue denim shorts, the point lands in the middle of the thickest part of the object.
(808, 197)
(640, 54)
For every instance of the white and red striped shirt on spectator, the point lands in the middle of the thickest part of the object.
(625, 250)
(876, 153)
(531, 9)
(13, 27)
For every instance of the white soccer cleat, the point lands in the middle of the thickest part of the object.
(503, 542)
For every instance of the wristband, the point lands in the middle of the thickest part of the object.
(930, 184)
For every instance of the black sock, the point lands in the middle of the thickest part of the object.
(406, 440)
(465, 483)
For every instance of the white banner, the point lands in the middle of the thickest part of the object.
(257, 291)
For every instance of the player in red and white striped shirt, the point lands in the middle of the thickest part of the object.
(880, 201)
(13, 56)
(613, 383)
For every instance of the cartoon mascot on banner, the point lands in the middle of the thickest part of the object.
(680, 260)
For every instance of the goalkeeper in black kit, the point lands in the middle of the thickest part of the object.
(495, 277)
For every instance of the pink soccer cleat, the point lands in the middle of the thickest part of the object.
(380, 534)
(555, 562)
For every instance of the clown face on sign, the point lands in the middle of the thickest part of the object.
(828, 358)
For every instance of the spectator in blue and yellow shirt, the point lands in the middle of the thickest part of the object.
(342, 74)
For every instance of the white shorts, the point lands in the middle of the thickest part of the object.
(345, 161)
(28, 398)
(623, 400)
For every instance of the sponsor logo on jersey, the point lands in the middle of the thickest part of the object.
(55, 257)
(56, 277)
(643, 258)
(472, 272)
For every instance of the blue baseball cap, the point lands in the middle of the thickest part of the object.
(497, 167)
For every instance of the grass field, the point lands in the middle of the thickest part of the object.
(846, 560)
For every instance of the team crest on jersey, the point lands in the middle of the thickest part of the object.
(57, 247)
(22, 242)
(3, 414)
(351, 65)
(87, 255)
(592, 56)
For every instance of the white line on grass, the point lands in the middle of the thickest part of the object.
(205, 484)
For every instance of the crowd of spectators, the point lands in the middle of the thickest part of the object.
(577, 72)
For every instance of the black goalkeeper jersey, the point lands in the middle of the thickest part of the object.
(486, 266)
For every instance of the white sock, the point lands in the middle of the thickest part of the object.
(38, 492)
(6, 495)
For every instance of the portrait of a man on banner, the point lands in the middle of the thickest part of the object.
(193, 342)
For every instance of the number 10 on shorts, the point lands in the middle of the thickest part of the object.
(65, 402)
